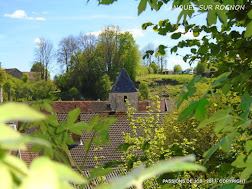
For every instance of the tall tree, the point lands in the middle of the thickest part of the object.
(87, 41)
(68, 46)
(44, 55)
(108, 47)
(99, 61)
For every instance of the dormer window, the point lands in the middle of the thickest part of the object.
(125, 98)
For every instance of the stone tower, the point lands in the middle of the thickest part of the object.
(123, 89)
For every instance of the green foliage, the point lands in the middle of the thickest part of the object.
(2, 76)
(226, 96)
(27, 90)
(74, 93)
(98, 62)
(139, 175)
(104, 85)
(201, 68)
(41, 89)
(144, 90)
(43, 172)
(146, 144)
(25, 78)
(142, 70)
(155, 67)
(177, 68)
(41, 71)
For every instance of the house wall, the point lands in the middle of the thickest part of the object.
(118, 104)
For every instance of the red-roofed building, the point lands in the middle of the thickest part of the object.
(115, 107)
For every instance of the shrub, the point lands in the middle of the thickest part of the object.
(144, 90)
(201, 68)
(177, 68)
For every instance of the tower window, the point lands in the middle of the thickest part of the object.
(125, 98)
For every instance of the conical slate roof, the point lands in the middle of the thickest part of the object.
(123, 83)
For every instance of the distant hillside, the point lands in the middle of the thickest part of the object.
(166, 86)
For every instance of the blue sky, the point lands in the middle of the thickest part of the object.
(22, 21)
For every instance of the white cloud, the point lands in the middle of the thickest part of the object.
(136, 32)
(37, 40)
(17, 14)
(20, 14)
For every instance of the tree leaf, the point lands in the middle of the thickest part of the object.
(248, 32)
(248, 146)
(246, 100)
(140, 174)
(11, 111)
(5, 177)
(200, 109)
(246, 124)
(78, 127)
(11, 139)
(15, 165)
(42, 175)
(211, 17)
(222, 16)
(189, 111)
(106, 2)
(246, 172)
(219, 79)
(145, 25)
(210, 152)
(142, 6)
(225, 122)
(66, 173)
(98, 172)
(72, 116)
(239, 161)
(218, 116)
(228, 141)
(226, 88)
(176, 35)
(250, 14)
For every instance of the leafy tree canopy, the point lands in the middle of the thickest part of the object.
(177, 68)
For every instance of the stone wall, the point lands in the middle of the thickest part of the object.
(118, 104)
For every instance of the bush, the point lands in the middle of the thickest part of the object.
(155, 67)
(144, 90)
(177, 68)
(201, 68)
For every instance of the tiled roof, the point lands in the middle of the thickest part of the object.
(104, 106)
(85, 106)
(123, 83)
(28, 156)
(116, 137)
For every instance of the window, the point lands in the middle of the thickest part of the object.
(125, 98)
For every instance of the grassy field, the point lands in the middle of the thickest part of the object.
(158, 77)
(165, 86)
